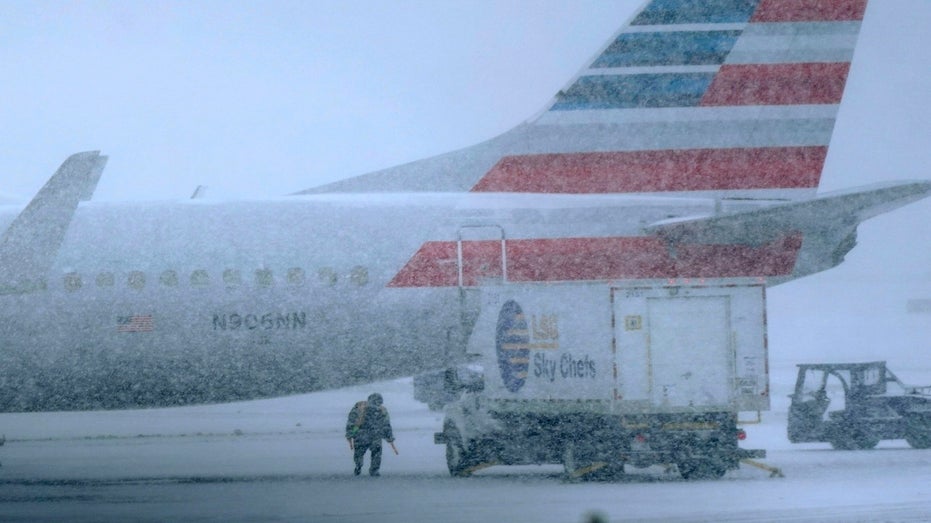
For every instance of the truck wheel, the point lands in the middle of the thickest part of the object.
(456, 456)
(701, 469)
(918, 433)
(576, 468)
(570, 462)
(587, 470)
(612, 471)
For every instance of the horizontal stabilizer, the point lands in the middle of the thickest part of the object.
(841, 209)
(827, 226)
(30, 244)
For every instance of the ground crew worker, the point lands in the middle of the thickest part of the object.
(367, 425)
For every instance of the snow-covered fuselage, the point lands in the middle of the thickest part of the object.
(197, 301)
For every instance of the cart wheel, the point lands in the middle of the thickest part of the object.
(918, 432)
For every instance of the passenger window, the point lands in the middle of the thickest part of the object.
(263, 278)
(200, 278)
(296, 276)
(136, 280)
(169, 278)
(327, 276)
(359, 275)
(72, 281)
(232, 277)
(105, 279)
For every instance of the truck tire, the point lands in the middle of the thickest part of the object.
(701, 468)
(570, 462)
(918, 432)
(612, 471)
(576, 468)
(588, 470)
(457, 459)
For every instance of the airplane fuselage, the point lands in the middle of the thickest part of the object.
(197, 301)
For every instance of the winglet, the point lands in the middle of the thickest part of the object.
(30, 244)
(199, 193)
(93, 177)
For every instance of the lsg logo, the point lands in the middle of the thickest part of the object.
(512, 343)
(515, 338)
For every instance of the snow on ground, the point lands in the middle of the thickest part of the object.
(251, 461)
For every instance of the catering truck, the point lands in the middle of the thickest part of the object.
(597, 376)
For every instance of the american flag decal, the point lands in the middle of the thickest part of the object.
(135, 323)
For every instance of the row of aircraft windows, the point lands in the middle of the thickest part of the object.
(295, 276)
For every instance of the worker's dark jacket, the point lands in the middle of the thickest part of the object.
(368, 424)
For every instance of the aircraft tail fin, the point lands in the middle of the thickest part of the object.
(30, 244)
(723, 99)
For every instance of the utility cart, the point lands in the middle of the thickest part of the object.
(855, 405)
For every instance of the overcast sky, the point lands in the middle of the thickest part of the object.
(261, 99)
(266, 98)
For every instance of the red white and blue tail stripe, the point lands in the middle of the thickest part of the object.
(725, 95)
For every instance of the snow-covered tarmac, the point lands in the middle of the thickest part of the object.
(285, 459)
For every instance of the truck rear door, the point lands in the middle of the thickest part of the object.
(689, 351)
(687, 347)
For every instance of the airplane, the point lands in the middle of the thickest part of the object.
(690, 147)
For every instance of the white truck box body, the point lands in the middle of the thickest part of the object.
(619, 348)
